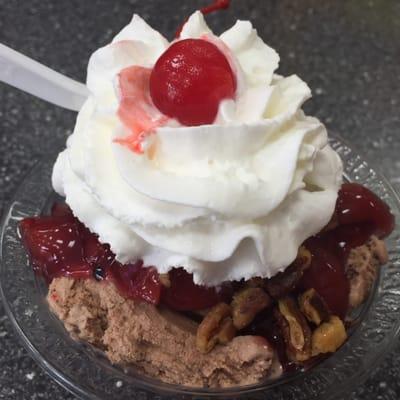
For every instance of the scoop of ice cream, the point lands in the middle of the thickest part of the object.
(156, 341)
(226, 201)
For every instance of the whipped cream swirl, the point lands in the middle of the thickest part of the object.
(227, 201)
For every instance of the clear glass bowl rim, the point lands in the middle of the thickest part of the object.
(365, 348)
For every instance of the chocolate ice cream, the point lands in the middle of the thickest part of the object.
(156, 341)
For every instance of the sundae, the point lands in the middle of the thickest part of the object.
(207, 238)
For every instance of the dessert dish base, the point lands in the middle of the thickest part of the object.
(88, 374)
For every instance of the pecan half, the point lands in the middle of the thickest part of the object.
(362, 269)
(285, 282)
(313, 306)
(295, 330)
(216, 327)
(246, 304)
(329, 336)
(227, 331)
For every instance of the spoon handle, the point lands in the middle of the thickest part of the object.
(30, 76)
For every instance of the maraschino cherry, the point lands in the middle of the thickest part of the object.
(190, 80)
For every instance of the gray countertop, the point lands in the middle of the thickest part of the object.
(348, 51)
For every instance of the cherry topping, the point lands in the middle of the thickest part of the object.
(55, 246)
(357, 204)
(185, 295)
(189, 81)
(327, 276)
(137, 282)
(60, 245)
(359, 214)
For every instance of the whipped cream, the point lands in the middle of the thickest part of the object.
(227, 201)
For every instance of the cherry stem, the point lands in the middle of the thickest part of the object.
(217, 5)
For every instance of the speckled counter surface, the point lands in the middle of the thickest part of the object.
(348, 51)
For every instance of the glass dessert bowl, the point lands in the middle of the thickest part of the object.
(209, 241)
(85, 371)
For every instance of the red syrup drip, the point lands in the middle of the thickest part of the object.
(136, 109)
(217, 5)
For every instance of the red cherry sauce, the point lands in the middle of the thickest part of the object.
(189, 81)
(357, 205)
(184, 295)
(217, 5)
(55, 246)
(359, 214)
(136, 109)
(60, 245)
(136, 281)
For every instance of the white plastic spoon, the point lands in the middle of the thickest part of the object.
(30, 76)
